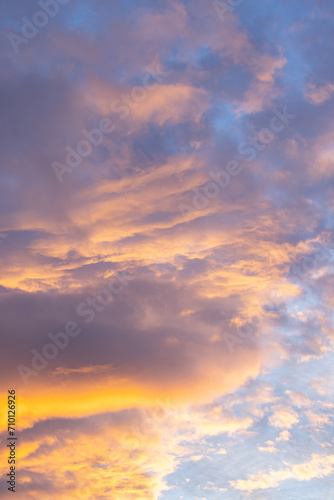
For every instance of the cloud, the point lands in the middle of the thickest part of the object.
(318, 467)
(151, 380)
(284, 436)
(317, 420)
(319, 95)
(283, 417)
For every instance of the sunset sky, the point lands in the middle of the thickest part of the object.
(166, 248)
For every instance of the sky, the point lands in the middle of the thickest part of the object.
(166, 248)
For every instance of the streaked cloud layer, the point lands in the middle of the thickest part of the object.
(167, 252)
